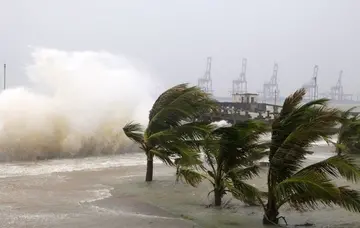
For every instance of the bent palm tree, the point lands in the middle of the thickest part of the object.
(172, 130)
(229, 160)
(293, 131)
(349, 133)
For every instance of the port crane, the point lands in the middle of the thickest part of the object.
(271, 88)
(311, 87)
(239, 85)
(205, 82)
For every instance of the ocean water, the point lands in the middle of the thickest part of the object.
(110, 191)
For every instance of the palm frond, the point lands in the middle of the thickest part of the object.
(188, 159)
(346, 114)
(338, 165)
(349, 133)
(257, 154)
(166, 98)
(349, 199)
(190, 176)
(313, 188)
(291, 102)
(210, 152)
(245, 173)
(245, 192)
(134, 131)
(294, 135)
(239, 144)
(190, 132)
(164, 155)
(304, 201)
(346, 198)
(178, 104)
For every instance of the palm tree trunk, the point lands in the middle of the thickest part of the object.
(149, 168)
(271, 210)
(218, 196)
(271, 213)
(338, 151)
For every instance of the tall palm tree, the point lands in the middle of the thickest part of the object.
(229, 160)
(293, 131)
(172, 128)
(348, 139)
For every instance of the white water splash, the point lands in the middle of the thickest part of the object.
(78, 105)
(221, 123)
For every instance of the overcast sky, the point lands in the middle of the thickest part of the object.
(173, 38)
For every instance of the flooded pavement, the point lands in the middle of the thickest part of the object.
(50, 194)
(110, 192)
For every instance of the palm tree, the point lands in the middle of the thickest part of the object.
(172, 128)
(348, 139)
(293, 131)
(229, 160)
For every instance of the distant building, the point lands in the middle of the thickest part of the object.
(247, 98)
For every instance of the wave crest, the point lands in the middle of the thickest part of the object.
(76, 106)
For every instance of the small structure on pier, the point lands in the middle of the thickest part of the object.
(248, 98)
(245, 102)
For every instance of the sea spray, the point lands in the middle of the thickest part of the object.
(76, 106)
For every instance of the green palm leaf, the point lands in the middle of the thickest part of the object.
(345, 197)
(134, 131)
(166, 98)
(293, 135)
(349, 199)
(317, 186)
(338, 165)
(186, 132)
(349, 133)
(190, 176)
(245, 192)
(178, 104)
(163, 155)
(245, 173)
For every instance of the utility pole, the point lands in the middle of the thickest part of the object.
(4, 76)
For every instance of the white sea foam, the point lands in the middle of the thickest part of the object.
(69, 165)
(101, 192)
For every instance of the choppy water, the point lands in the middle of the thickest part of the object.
(15, 169)
(110, 192)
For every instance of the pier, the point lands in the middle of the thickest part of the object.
(245, 107)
